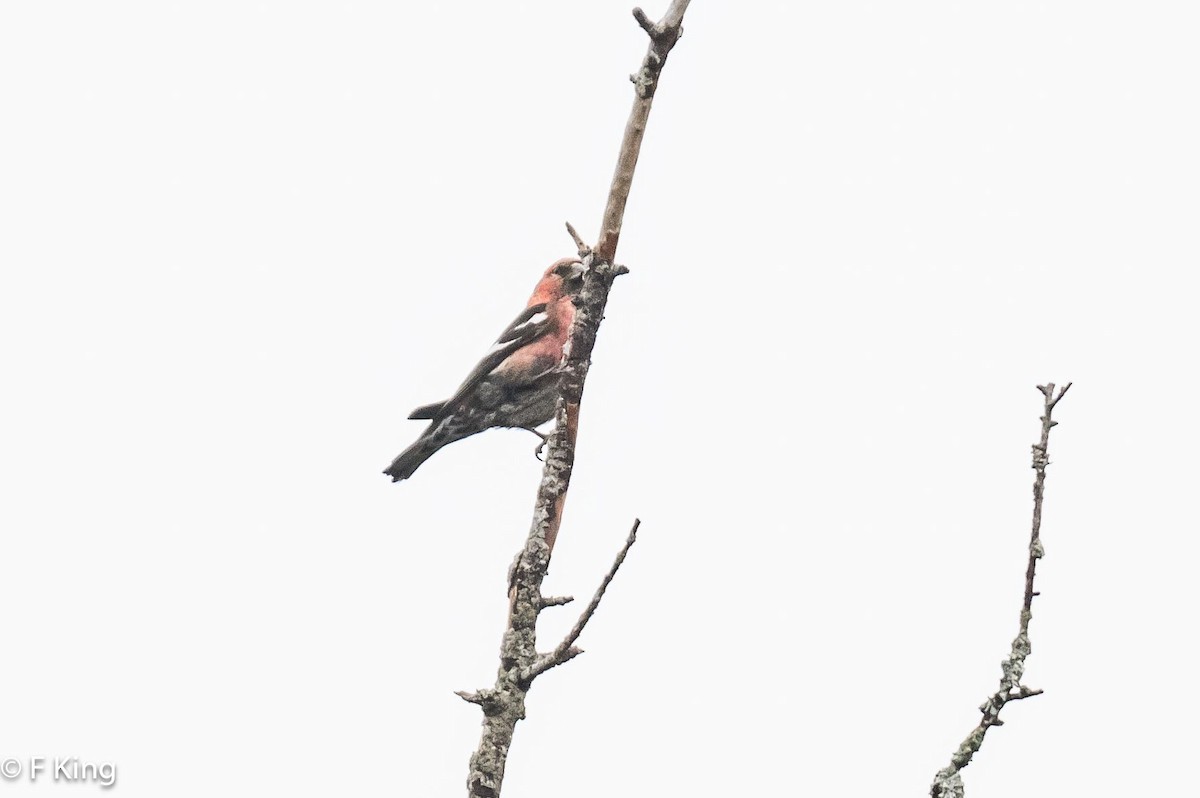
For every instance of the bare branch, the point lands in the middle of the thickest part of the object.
(583, 248)
(948, 782)
(541, 666)
(663, 35)
(479, 698)
(505, 705)
(644, 21)
(566, 649)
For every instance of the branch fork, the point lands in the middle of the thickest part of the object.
(567, 650)
(504, 705)
(665, 32)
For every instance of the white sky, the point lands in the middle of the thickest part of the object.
(242, 240)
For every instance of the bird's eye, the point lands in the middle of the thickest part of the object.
(571, 272)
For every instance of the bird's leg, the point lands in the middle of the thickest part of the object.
(545, 439)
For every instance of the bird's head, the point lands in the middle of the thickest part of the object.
(563, 278)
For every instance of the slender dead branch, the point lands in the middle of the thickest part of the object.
(663, 35)
(504, 704)
(583, 248)
(948, 782)
(566, 649)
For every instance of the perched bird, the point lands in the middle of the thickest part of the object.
(516, 383)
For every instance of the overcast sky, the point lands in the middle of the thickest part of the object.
(240, 241)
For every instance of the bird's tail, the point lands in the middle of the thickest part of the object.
(409, 460)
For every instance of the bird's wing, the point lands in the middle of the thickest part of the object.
(526, 328)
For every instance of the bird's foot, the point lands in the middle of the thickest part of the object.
(545, 439)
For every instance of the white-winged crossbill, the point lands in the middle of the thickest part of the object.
(516, 383)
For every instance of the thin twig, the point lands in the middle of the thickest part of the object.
(504, 705)
(948, 782)
(583, 248)
(566, 649)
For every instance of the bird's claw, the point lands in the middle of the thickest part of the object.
(545, 439)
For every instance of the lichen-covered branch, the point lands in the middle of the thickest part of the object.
(948, 782)
(504, 704)
(567, 649)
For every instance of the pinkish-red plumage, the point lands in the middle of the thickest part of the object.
(516, 383)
